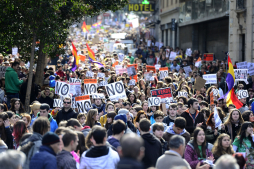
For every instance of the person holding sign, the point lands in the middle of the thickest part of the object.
(67, 112)
(211, 132)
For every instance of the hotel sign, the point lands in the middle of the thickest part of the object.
(141, 7)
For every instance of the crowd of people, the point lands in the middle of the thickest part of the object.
(126, 133)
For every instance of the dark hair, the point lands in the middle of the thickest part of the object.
(205, 111)
(173, 105)
(191, 101)
(200, 96)
(158, 113)
(203, 103)
(41, 125)
(73, 122)
(90, 120)
(98, 133)
(242, 133)
(44, 106)
(21, 108)
(19, 129)
(158, 126)
(14, 64)
(137, 118)
(180, 122)
(246, 115)
(118, 126)
(80, 115)
(68, 137)
(10, 114)
(144, 125)
(196, 131)
(81, 142)
(4, 117)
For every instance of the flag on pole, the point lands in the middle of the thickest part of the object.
(91, 56)
(76, 58)
(84, 28)
(198, 62)
(217, 119)
(230, 95)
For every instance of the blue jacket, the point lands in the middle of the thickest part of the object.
(113, 142)
(53, 123)
(45, 159)
(100, 109)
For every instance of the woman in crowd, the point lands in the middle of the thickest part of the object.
(27, 119)
(35, 108)
(109, 108)
(5, 131)
(141, 115)
(198, 150)
(248, 115)
(132, 98)
(19, 129)
(110, 118)
(233, 124)
(151, 113)
(222, 146)
(92, 118)
(17, 106)
(211, 132)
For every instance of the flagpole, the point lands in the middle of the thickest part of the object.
(226, 71)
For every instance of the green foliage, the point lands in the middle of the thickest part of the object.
(49, 20)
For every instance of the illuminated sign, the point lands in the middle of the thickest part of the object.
(141, 7)
(145, 2)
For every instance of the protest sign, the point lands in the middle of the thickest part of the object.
(120, 57)
(75, 89)
(3, 71)
(135, 65)
(251, 71)
(131, 71)
(242, 94)
(154, 101)
(121, 71)
(149, 43)
(217, 119)
(241, 75)
(162, 93)
(117, 67)
(208, 56)
(52, 66)
(98, 96)
(150, 68)
(183, 93)
(62, 88)
(148, 76)
(210, 78)
(103, 83)
(116, 91)
(90, 86)
(187, 70)
(172, 55)
(101, 75)
(132, 82)
(199, 83)
(188, 52)
(215, 92)
(242, 65)
(157, 66)
(83, 103)
(89, 74)
(250, 65)
(74, 80)
(163, 72)
(14, 51)
(58, 103)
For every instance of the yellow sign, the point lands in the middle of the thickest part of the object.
(141, 7)
(127, 25)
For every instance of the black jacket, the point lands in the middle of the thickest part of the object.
(168, 120)
(128, 163)
(65, 160)
(153, 150)
(62, 115)
(9, 138)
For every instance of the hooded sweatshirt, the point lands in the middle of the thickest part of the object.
(53, 124)
(12, 81)
(99, 157)
(113, 141)
(170, 132)
(153, 150)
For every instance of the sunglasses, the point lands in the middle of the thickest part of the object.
(67, 102)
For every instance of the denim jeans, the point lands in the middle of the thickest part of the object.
(9, 97)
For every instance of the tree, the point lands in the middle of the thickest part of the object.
(24, 22)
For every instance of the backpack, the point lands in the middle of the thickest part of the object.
(249, 156)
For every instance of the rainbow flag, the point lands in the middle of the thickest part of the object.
(76, 58)
(230, 95)
(92, 56)
(84, 28)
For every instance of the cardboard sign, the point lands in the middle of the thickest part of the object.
(154, 101)
(172, 56)
(157, 66)
(101, 75)
(89, 74)
(242, 94)
(102, 83)
(90, 86)
(163, 72)
(242, 65)
(83, 103)
(183, 93)
(75, 89)
(132, 82)
(210, 78)
(208, 56)
(62, 88)
(131, 71)
(199, 83)
(241, 75)
(58, 103)
(150, 68)
(74, 80)
(162, 93)
(116, 91)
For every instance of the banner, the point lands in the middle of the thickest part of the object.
(74, 80)
(162, 93)
(210, 79)
(242, 65)
(163, 72)
(90, 86)
(154, 101)
(241, 75)
(208, 56)
(116, 91)
(83, 103)
(62, 88)
(251, 71)
(150, 68)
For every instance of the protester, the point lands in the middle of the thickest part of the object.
(226, 161)
(118, 129)
(46, 157)
(19, 129)
(47, 97)
(12, 159)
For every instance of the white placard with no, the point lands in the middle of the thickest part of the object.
(210, 79)
(62, 88)
(154, 101)
(116, 91)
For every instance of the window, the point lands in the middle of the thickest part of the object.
(171, 2)
(167, 3)
(176, 2)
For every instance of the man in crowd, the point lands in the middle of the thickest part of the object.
(46, 158)
(118, 129)
(12, 159)
(45, 112)
(12, 82)
(67, 112)
(169, 120)
(193, 117)
(99, 105)
(131, 151)
(65, 159)
(100, 155)
(47, 97)
(60, 72)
